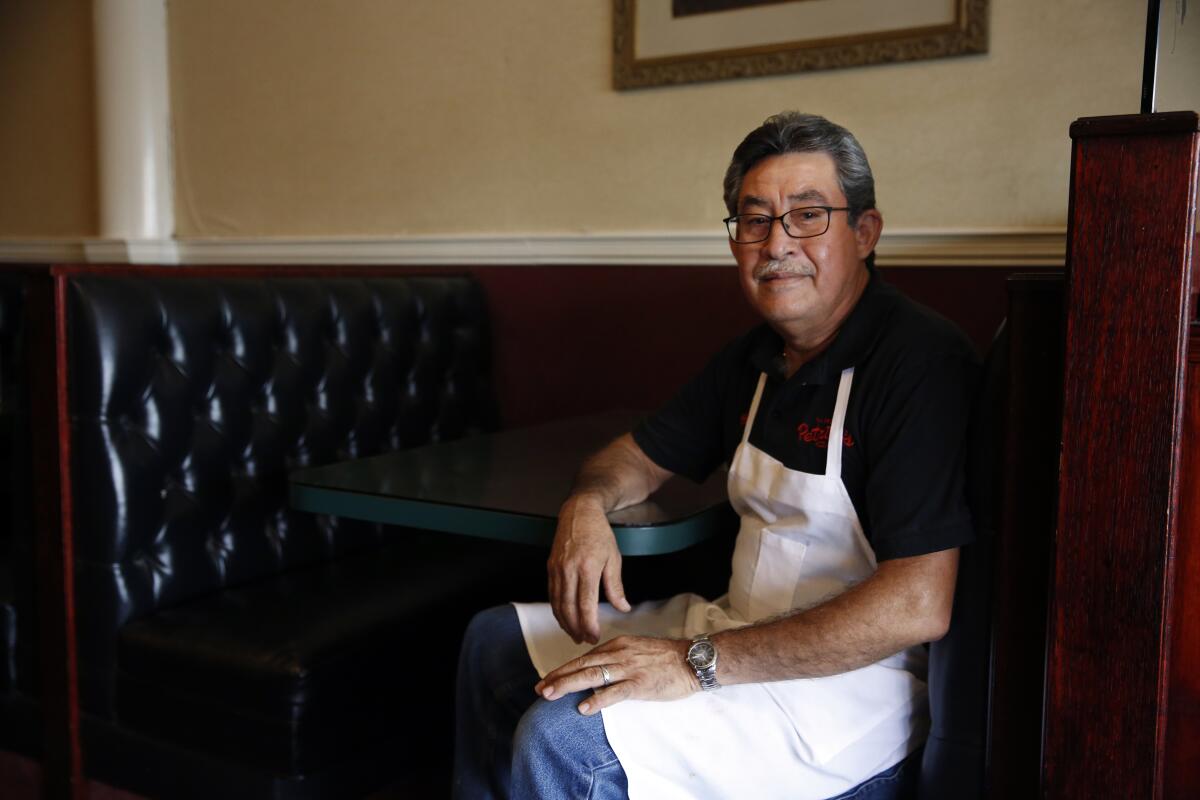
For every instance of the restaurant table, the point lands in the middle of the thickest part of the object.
(509, 486)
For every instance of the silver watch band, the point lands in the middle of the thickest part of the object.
(707, 675)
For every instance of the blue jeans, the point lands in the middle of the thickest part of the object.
(898, 782)
(510, 743)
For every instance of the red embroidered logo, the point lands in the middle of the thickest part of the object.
(818, 434)
(745, 417)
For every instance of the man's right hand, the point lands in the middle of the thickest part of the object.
(584, 557)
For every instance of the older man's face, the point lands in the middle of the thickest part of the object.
(803, 287)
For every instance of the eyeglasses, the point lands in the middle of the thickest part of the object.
(799, 223)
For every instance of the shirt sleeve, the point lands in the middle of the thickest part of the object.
(915, 491)
(685, 435)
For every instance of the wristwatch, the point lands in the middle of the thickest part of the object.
(702, 657)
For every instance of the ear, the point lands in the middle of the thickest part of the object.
(867, 230)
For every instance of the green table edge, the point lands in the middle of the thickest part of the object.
(632, 540)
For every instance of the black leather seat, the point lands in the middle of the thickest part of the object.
(229, 645)
(298, 673)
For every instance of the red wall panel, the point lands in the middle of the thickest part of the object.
(573, 340)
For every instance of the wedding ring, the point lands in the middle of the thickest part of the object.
(607, 677)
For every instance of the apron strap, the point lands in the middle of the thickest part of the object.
(833, 461)
(762, 381)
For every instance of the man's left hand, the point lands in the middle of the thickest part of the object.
(639, 667)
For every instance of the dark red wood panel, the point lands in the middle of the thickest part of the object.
(1129, 284)
(1181, 768)
(574, 340)
(62, 773)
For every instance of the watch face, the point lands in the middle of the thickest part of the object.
(701, 655)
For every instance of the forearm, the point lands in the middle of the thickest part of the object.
(618, 476)
(906, 602)
(584, 556)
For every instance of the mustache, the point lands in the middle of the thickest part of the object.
(778, 269)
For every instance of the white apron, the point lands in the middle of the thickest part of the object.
(800, 543)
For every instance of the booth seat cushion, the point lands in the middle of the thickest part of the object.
(192, 396)
(297, 672)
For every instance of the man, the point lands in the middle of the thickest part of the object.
(842, 420)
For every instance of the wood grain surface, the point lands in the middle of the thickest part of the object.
(1181, 768)
(1129, 286)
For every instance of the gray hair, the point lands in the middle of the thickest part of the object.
(793, 132)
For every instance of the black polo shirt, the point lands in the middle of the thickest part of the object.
(905, 433)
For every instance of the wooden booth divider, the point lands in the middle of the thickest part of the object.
(1122, 716)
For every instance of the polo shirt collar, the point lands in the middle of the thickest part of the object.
(853, 342)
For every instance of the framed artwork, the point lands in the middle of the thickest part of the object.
(663, 42)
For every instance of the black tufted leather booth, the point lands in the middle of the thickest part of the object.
(231, 648)
(314, 654)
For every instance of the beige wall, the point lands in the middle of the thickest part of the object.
(380, 118)
(47, 151)
(424, 117)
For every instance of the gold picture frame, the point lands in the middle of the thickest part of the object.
(727, 50)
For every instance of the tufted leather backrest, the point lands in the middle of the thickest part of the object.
(192, 398)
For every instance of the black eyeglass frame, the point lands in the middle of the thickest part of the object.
(828, 217)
